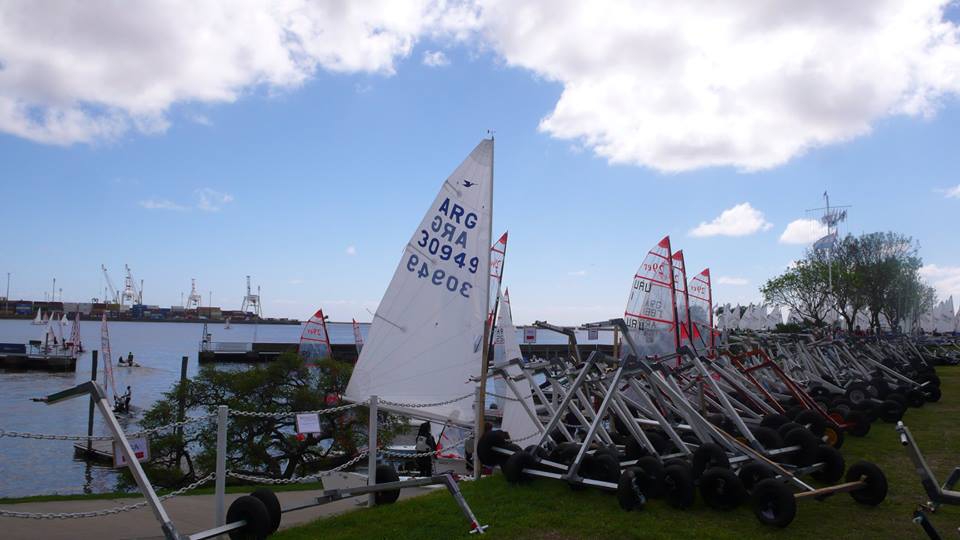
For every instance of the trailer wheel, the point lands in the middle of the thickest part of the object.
(678, 487)
(773, 503)
(787, 428)
(932, 394)
(633, 488)
(916, 398)
(708, 455)
(654, 469)
(792, 412)
(485, 447)
(753, 473)
(812, 420)
(891, 411)
(833, 436)
(252, 510)
(659, 441)
(608, 451)
(774, 421)
(385, 475)
(514, 466)
(808, 443)
(602, 467)
(858, 423)
(833, 465)
(634, 450)
(272, 504)
(857, 393)
(721, 489)
(898, 397)
(768, 437)
(874, 490)
(565, 452)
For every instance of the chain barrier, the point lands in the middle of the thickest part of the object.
(283, 414)
(425, 405)
(283, 481)
(510, 398)
(151, 431)
(521, 439)
(106, 511)
(394, 453)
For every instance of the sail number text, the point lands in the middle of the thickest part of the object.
(438, 277)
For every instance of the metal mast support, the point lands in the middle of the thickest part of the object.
(114, 296)
(832, 217)
(193, 301)
(481, 407)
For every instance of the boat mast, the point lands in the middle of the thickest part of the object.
(487, 327)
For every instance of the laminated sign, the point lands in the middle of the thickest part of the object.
(140, 447)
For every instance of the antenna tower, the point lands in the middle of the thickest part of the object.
(251, 302)
(193, 301)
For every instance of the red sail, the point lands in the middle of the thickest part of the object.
(651, 313)
(701, 311)
(682, 300)
(315, 341)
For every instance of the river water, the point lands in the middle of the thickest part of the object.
(41, 467)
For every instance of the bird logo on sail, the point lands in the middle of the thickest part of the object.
(467, 183)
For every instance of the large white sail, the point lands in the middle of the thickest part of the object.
(75, 345)
(426, 340)
(38, 320)
(701, 310)
(650, 313)
(315, 341)
(516, 421)
(498, 256)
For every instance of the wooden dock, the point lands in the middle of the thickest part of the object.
(99, 451)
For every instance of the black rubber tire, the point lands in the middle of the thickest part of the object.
(654, 470)
(773, 503)
(857, 393)
(891, 411)
(858, 423)
(898, 397)
(812, 420)
(253, 511)
(565, 452)
(916, 398)
(768, 437)
(385, 474)
(774, 421)
(787, 428)
(841, 410)
(875, 490)
(602, 467)
(632, 489)
(514, 466)
(706, 456)
(634, 450)
(608, 451)
(661, 443)
(833, 465)
(808, 443)
(272, 504)
(792, 412)
(753, 473)
(721, 489)
(932, 394)
(678, 488)
(485, 447)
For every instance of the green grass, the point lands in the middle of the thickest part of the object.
(547, 509)
(127, 495)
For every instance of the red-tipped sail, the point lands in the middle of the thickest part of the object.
(651, 313)
(701, 310)
(357, 336)
(498, 254)
(315, 341)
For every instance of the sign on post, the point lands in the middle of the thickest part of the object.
(308, 423)
(593, 334)
(140, 447)
(529, 335)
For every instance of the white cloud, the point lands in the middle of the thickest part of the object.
(803, 231)
(729, 280)
(435, 59)
(162, 204)
(945, 279)
(83, 72)
(577, 273)
(201, 119)
(351, 250)
(211, 200)
(681, 85)
(740, 220)
(951, 193)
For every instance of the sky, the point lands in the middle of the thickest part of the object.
(302, 143)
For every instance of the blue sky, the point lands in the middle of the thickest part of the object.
(313, 188)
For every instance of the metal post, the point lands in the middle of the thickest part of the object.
(93, 401)
(479, 411)
(221, 480)
(372, 451)
(181, 405)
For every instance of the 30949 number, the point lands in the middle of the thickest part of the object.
(438, 277)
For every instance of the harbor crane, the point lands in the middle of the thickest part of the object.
(130, 290)
(112, 297)
(193, 301)
(251, 302)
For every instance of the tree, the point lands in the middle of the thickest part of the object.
(803, 288)
(264, 446)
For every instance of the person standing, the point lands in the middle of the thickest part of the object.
(425, 443)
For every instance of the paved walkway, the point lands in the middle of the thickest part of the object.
(190, 514)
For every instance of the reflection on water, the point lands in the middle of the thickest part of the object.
(35, 467)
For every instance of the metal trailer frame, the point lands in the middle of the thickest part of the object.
(938, 494)
(96, 393)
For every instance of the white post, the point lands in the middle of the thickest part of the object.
(478, 409)
(221, 480)
(372, 451)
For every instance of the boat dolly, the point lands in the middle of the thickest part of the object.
(258, 514)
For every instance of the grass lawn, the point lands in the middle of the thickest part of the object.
(547, 509)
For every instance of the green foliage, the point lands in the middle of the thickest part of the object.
(255, 445)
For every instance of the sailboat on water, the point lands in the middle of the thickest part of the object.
(226, 324)
(427, 341)
(39, 320)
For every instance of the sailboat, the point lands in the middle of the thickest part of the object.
(357, 337)
(75, 344)
(38, 320)
(226, 324)
(651, 308)
(315, 340)
(428, 335)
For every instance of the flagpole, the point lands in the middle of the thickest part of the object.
(481, 406)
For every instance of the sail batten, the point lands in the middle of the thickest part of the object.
(426, 339)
